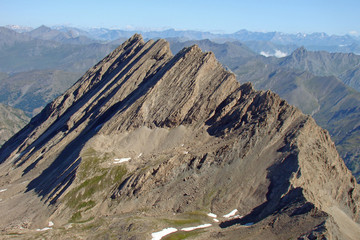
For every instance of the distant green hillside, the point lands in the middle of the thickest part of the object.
(345, 66)
(11, 121)
(40, 54)
(31, 91)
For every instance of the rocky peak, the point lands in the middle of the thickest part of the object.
(299, 54)
(300, 51)
(148, 135)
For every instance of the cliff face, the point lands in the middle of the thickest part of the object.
(146, 140)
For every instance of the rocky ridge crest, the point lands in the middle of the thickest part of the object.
(196, 141)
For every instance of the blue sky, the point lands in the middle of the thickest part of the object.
(227, 16)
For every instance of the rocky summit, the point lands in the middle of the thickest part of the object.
(147, 145)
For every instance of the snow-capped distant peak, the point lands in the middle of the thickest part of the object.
(19, 28)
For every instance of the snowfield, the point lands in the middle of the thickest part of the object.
(121, 160)
(162, 233)
(213, 215)
(197, 227)
(43, 229)
(230, 214)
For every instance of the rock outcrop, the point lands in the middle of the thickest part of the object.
(146, 140)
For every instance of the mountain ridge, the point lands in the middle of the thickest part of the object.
(195, 139)
(322, 63)
(314, 41)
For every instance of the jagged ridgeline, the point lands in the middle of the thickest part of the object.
(146, 141)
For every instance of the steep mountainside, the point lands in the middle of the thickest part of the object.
(11, 121)
(70, 36)
(31, 91)
(334, 106)
(9, 37)
(351, 77)
(321, 63)
(146, 140)
(20, 53)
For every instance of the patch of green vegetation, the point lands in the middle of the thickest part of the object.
(89, 163)
(14, 234)
(208, 197)
(197, 214)
(83, 197)
(90, 226)
(87, 205)
(75, 217)
(183, 235)
(182, 222)
(76, 197)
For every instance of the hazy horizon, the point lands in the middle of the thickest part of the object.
(228, 16)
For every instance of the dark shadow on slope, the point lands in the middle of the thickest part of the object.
(61, 122)
(54, 180)
(58, 124)
(277, 197)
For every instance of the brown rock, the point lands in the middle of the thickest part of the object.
(198, 142)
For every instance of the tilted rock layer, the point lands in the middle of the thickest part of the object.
(146, 140)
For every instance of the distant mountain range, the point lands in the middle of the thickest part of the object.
(267, 42)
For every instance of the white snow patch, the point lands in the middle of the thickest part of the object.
(121, 160)
(51, 224)
(213, 215)
(162, 233)
(230, 214)
(3, 190)
(197, 227)
(216, 220)
(43, 229)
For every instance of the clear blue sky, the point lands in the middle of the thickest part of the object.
(291, 16)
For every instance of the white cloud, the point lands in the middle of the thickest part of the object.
(354, 32)
(265, 54)
(279, 54)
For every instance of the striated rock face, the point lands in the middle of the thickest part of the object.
(146, 140)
